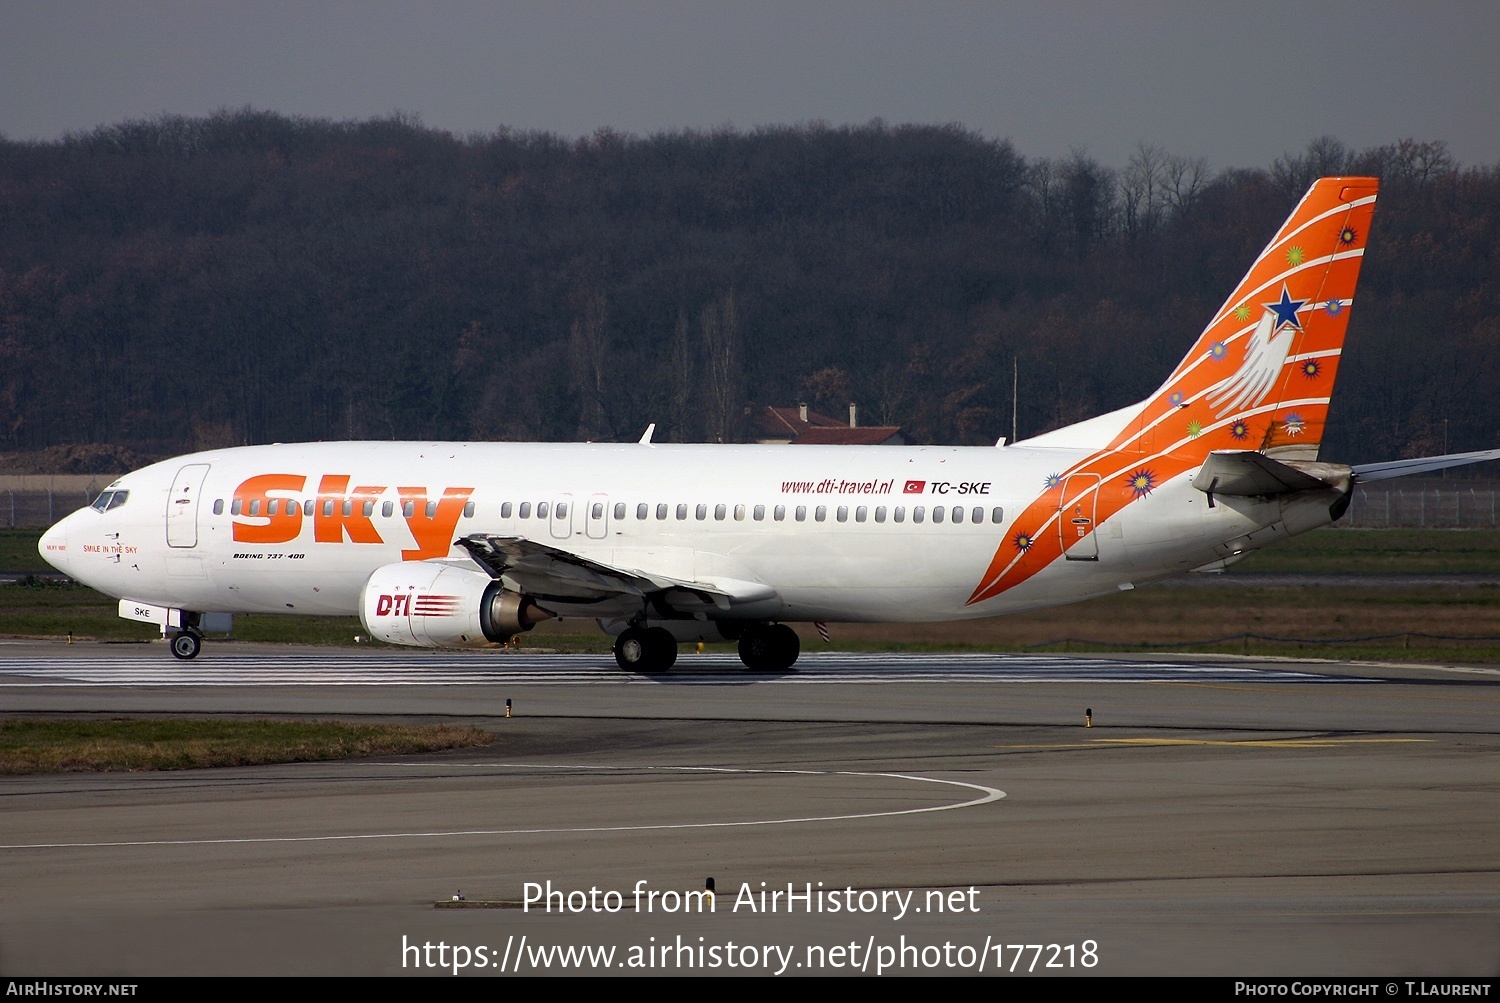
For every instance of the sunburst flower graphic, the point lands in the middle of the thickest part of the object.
(1195, 429)
(1293, 424)
(1334, 307)
(1023, 542)
(1242, 312)
(1217, 351)
(1240, 430)
(1052, 480)
(1294, 256)
(1311, 369)
(1348, 235)
(1142, 482)
(1176, 399)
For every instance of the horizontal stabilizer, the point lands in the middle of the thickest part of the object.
(1404, 468)
(1248, 473)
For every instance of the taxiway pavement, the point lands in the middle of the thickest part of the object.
(1222, 816)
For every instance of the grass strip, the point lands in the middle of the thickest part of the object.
(45, 746)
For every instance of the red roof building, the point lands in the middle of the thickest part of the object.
(801, 426)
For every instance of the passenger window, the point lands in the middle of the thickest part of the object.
(719, 512)
(760, 513)
(468, 510)
(661, 510)
(273, 506)
(681, 512)
(255, 507)
(348, 506)
(997, 515)
(542, 508)
(779, 513)
(526, 510)
(958, 513)
(843, 513)
(429, 510)
(937, 513)
(506, 509)
(917, 512)
(739, 513)
(900, 514)
(307, 507)
(977, 515)
(820, 513)
(880, 513)
(235, 506)
(368, 508)
(860, 513)
(701, 512)
(598, 511)
(386, 508)
(218, 506)
(801, 513)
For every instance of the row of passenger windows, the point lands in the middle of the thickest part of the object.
(367, 508)
(663, 511)
(643, 511)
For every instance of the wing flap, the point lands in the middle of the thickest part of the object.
(544, 570)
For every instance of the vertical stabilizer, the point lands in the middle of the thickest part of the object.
(1261, 374)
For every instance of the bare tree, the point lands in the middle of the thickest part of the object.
(721, 350)
(681, 379)
(588, 362)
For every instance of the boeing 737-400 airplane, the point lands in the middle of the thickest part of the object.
(444, 544)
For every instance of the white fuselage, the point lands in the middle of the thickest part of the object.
(829, 533)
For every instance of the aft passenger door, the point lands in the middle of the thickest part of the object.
(1075, 517)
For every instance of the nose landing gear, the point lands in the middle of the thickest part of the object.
(186, 644)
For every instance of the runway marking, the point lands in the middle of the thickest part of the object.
(988, 794)
(1273, 743)
(401, 669)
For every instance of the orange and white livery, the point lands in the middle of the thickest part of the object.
(467, 544)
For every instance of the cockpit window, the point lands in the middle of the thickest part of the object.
(108, 500)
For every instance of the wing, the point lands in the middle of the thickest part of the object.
(551, 573)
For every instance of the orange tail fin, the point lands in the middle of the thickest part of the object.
(1262, 372)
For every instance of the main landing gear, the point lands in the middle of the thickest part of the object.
(764, 647)
(186, 644)
(769, 647)
(645, 649)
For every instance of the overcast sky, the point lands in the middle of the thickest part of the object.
(1238, 83)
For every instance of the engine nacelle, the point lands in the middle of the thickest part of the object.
(431, 605)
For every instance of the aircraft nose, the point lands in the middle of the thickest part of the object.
(53, 546)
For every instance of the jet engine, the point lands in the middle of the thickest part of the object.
(431, 605)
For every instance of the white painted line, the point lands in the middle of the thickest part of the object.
(988, 794)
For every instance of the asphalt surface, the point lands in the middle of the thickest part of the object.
(1221, 816)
